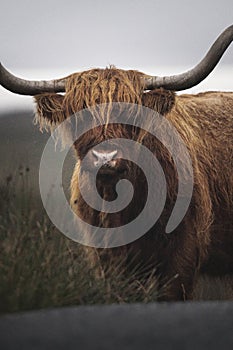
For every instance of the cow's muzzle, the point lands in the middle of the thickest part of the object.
(108, 161)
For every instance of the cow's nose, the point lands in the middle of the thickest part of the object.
(104, 157)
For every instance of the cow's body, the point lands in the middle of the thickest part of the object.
(204, 239)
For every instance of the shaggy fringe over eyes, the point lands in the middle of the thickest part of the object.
(85, 90)
(99, 86)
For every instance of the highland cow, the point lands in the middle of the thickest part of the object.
(203, 241)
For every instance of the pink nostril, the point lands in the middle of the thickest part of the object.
(101, 158)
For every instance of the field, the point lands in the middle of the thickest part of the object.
(41, 268)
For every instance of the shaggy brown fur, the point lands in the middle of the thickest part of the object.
(204, 239)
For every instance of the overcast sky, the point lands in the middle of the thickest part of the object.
(91, 33)
(57, 36)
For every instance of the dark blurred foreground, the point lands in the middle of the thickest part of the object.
(153, 326)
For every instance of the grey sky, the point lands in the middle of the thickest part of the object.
(95, 33)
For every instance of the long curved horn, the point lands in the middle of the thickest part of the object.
(198, 73)
(29, 87)
(175, 82)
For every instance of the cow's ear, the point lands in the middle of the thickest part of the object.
(160, 100)
(49, 110)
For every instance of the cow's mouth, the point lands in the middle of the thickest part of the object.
(113, 168)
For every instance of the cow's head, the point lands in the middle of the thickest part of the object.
(102, 88)
(92, 96)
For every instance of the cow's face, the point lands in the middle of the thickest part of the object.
(98, 148)
(103, 161)
(91, 89)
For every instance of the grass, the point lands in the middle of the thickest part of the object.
(41, 268)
